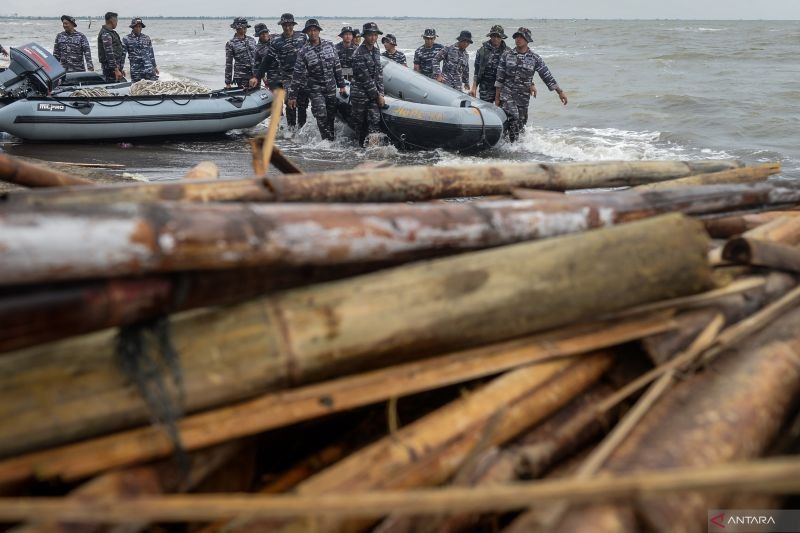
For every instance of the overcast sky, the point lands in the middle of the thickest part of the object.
(521, 9)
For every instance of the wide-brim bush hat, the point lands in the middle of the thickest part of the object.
(524, 33)
(287, 18)
(465, 36)
(497, 29)
(135, 21)
(69, 18)
(370, 27)
(391, 39)
(239, 22)
(429, 33)
(312, 23)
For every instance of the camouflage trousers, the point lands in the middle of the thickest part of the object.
(486, 91)
(323, 107)
(365, 118)
(517, 118)
(137, 75)
(297, 116)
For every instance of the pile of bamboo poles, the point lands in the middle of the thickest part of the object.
(353, 351)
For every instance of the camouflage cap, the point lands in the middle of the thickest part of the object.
(430, 33)
(240, 22)
(347, 29)
(135, 21)
(525, 33)
(69, 18)
(259, 29)
(312, 23)
(497, 29)
(389, 38)
(287, 18)
(465, 36)
(370, 27)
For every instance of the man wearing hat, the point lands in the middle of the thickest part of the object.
(389, 42)
(139, 48)
(455, 71)
(514, 85)
(345, 50)
(486, 60)
(357, 37)
(318, 72)
(240, 54)
(423, 56)
(72, 47)
(261, 32)
(366, 91)
(278, 65)
(110, 50)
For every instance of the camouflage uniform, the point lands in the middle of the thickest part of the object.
(261, 48)
(455, 70)
(486, 61)
(110, 52)
(71, 50)
(367, 85)
(345, 54)
(397, 56)
(278, 64)
(424, 57)
(141, 56)
(239, 60)
(318, 71)
(514, 77)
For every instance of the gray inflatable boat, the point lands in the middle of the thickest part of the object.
(28, 114)
(423, 113)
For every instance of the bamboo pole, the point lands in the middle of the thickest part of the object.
(72, 389)
(33, 315)
(51, 244)
(396, 184)
(737, 175)
(274, 410)
(766, 476)
(731, 226)
(13, 170)
(784, 230)
(762, 253)
(283, 163)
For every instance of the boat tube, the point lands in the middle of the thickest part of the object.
(29, 114)
(421, 113)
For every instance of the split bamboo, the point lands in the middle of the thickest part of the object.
(429, 450)
(729, 413)
(731, 226)
(283, 408)
(396, 184)
(736, 175)
(767, 476)
(73, 389)
(762, 253)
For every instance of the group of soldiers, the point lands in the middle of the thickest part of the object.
(72, 50)
(313, 69)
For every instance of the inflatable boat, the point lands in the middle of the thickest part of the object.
(38, 104)
(423, 113)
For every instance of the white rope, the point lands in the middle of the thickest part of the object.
(155, 88)
(91, 92)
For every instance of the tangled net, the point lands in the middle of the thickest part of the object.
(156, 88)
(97, 91)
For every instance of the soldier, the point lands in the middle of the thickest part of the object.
(366, 91)
(110, 50)
(356, 38)
(261, 32)
(139, 48)
(318, 71)
(72, 47)
(345, 50)
(391, 52)
(514, 85)
(486, 61)
(423, 56)
(279, 63)
(455, 71)
(240, 54)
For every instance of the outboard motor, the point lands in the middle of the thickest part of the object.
(33, 71)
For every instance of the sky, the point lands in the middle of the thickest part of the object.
(501, 9)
